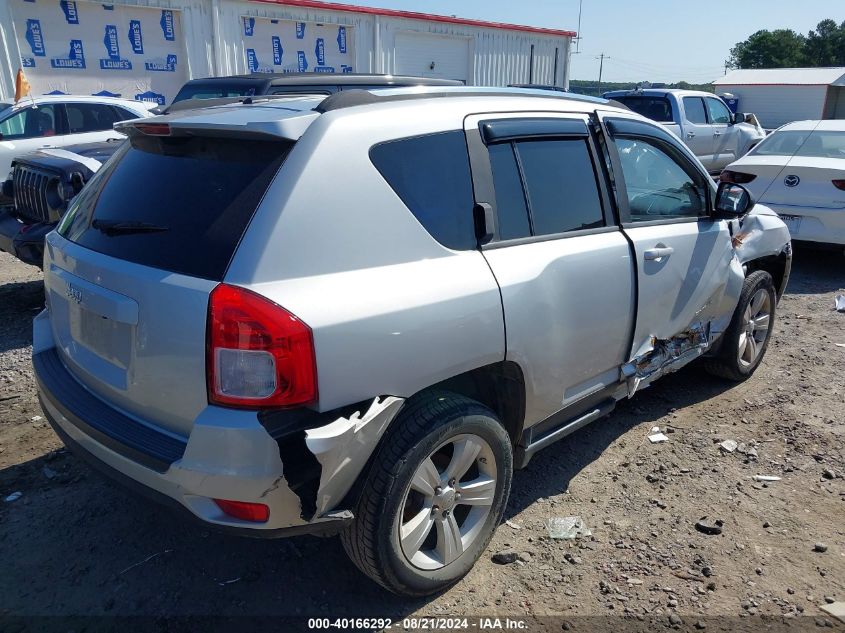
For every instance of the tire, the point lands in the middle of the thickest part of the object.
(430, 426)
(735, 363)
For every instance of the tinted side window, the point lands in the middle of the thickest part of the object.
(431, 175)
(561, 185)
(654, 108)
(123, 114)
(694, 108)
(510, 197)
(90, 117)
(719, 112)
(30, 123)
(658, 187)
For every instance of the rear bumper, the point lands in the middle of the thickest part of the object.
(26, 242)
(233, 461)
(826, 226)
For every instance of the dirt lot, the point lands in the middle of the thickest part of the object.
(74, 544)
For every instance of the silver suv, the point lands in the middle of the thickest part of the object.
(360, 314)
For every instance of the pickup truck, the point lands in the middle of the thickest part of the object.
(702, 120)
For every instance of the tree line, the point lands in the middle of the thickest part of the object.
(784, 48)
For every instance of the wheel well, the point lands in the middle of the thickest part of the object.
(500, 387)
(775, 265)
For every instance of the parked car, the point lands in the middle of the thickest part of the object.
(51, 121)
(359, 314)
(47, 180)
(701, 119)
(297, 84)
(799, 171)
(37, 135)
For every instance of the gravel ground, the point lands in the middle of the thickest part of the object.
(74, 544)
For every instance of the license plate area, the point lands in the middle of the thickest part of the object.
(109, 339)
(793, 222)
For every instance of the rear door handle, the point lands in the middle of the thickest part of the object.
(717, 134)
(656, 254)
(690, 134)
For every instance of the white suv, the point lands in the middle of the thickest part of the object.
(359, 314)
(58, 120)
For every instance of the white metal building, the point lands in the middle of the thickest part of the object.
(146, 49)
(781, 95)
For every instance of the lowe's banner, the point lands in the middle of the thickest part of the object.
(80, 47)
(286, 46)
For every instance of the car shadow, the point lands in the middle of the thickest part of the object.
(816, 270)
(551, 470)
(19, 304)
(76, 543)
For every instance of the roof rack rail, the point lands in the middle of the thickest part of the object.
(355, 97)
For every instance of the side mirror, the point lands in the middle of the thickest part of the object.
(732, 201)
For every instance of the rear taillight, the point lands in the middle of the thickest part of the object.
(244, 510)
(839, 184)
(736, 177)
(259, 355)
(153, 129)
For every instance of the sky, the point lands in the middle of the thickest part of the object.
(645, 40)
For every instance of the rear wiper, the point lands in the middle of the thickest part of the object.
(115, 227)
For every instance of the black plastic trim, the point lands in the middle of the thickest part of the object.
(111, 428)
(353, 98)
(503, 130)
(323, 528)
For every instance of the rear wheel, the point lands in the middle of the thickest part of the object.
(748, 335)
(433, 497)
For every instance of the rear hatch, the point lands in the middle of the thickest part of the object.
(129, 270)
(797, 167)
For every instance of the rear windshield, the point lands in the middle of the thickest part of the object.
(811, 144)
(214, 91)
(654, 108)
(178, 204)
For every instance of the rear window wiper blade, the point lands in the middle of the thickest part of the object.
(117, 227)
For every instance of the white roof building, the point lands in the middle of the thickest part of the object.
(780, 95)
(146, 49)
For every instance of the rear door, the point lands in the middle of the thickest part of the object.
(725, 135)
(563, 266)
(697, 133)
(683, 257)
(89, 123)
(130, 267)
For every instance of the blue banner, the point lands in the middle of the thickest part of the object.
(324, 69)
(35, 37)
(69, 9)
(75, 58)
(136, 40)
(341, 39)
(302, 62)
(28, 62)
(106, 93)
(111, 43)
(320, 51)
(278, 51)
(251, 60)
(150, 96)
(300, 30)
(158, 65)
(249, 27)
(167, 25)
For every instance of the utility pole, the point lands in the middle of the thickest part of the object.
(601, 57)
(578, 38)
